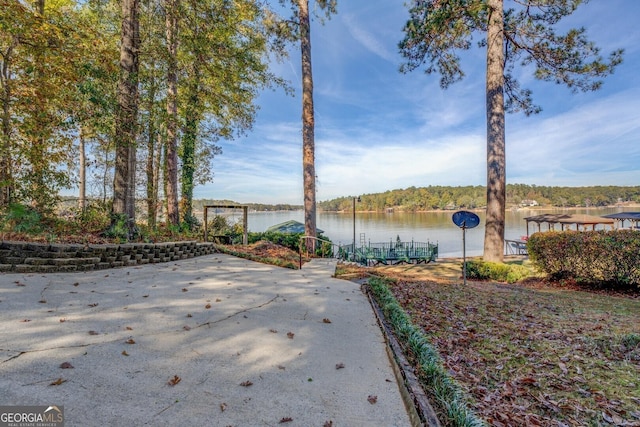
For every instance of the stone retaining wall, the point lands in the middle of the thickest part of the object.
(23, 257)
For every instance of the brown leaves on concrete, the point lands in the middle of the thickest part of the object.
(66, 365)
(246, 383)
(173, 381)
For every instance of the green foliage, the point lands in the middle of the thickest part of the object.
(223, 226)
(119, 229)
(96, 216)
(501, 272)
(21, 219)
(288, 240)
(603, 258)
(445, 394)
(293, 241)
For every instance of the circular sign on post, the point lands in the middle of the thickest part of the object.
(465, 219)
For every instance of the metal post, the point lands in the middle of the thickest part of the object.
(464, 255)
(354, 229)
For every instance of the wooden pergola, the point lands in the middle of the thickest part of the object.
(566, 221)
(245, 214)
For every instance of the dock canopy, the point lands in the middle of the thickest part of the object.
(634, 217)
(566, 221)
(290, 226)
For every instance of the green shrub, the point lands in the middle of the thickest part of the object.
(483, 270)
(291, 241)
(603, 258)
(20, 218)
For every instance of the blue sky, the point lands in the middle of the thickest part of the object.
(377, 129)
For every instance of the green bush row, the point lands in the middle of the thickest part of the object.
(484, 270)
(604, 258)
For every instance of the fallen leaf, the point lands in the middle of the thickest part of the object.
(273, 331)
(186, 327)
(145, 296)
(76, 284)
(26, 320)
(189, 315)
(325, 320)
(372, 399)
(129, 328)
(286, 420)
(184, 289)
(175, 380)
(66, 365)
(58, 381)
(328, 424)
(93, 333)
(290, 335)
(246, 383)
(563, 368)
(95, 304)
(339, 365)
(527, 380)
(223, 407)
(207, 306)
(218, 300)
(130, 341)
(43, 301)
(124, 353)
(63, 320)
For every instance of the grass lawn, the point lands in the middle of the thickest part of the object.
(530, 355)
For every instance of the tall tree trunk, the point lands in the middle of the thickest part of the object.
(82, 184)
(152, 184)
(496, 160)
(308, 144)
(189, 149)
(37, 150)
(127, 114)
(6, 180)
(171, 11)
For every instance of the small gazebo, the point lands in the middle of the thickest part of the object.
(567, 222)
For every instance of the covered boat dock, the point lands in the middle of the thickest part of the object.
(580, 222)
(621, 217)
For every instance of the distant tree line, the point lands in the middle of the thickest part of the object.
(414, 199)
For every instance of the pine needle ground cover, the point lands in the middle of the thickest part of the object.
(534, 356)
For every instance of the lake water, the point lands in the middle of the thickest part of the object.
(418, 226)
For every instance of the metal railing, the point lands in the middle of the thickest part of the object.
(390, 253)
(327, 248)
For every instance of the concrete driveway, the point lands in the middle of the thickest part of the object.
(209, 341)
